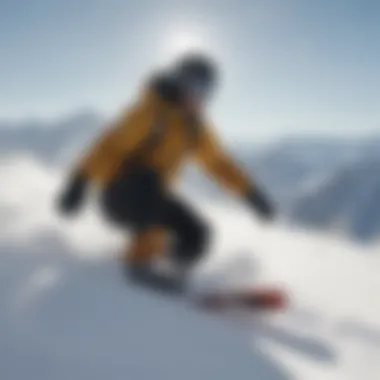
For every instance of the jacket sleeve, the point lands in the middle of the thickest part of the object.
(215, 160)
(121, 139)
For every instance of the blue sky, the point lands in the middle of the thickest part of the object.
(290, 66)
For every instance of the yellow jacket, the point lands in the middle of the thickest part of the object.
(127, 139)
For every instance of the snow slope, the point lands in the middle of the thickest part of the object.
(65, 317)
(66, 312)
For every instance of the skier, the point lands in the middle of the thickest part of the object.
(137, 160)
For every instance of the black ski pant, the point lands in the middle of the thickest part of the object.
(138, 202)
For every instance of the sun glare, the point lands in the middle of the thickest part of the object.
(179, 39)
(180, 43)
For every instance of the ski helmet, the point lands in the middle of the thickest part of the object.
(197, 75)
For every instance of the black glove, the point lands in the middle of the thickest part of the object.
(261, 204)
(72, 197)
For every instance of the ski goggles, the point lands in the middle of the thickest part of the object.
(198, 89)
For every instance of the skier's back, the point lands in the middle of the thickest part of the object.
(137, 160)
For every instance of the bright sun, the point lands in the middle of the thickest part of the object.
(178, 39)
(180, 43)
